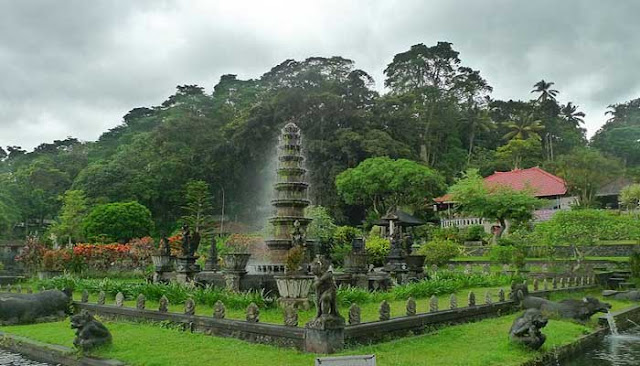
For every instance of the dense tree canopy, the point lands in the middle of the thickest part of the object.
(383, 183)
(436, 111)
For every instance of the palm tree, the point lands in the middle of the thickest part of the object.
(478, 121)
(570, 113)
(523, 127)
(544, 88)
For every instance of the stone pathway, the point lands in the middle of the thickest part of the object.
(14, 359)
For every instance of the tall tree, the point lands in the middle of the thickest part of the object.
(69, 225)
(544, 88)
(586, 171)
(571, 114)
(198, 207)
(525, 126)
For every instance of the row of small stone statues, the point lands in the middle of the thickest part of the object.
(486, 268)
(291, 313)
(384, 311)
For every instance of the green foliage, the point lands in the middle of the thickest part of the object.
(382, 183)
(377, 249)
(474, 233)
(69, 226)
(634, 265)
(322, 228)
(177, 294)
(440, 283)
(120, 221)
(198, 208)
(630, 196)
(342, 238)
(439, 252)
(518, 153)
(500, 203)
(586, 171)
(619, 136)
(585, 227)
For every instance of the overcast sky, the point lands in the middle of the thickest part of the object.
(74, 68)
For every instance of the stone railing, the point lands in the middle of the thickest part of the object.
(416, 323)
(462, 222)
(290, 334)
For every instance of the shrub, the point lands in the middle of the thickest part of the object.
(55, 259)
(585, 227)
(377, 249)
(502, 254)
(508, 254)
(342, 238)
(447, 233)
(634, 265)
(31, 254)
(239, 243)
(474, 233)
(120, 221)
(439, 252)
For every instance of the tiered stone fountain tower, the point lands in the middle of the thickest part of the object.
(291, 192)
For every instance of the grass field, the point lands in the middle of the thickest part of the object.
(482, 343)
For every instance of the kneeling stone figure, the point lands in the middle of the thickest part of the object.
(526, 329)
(90, 333)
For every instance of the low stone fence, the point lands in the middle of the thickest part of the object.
(608, 250)
(416, 323)
(290, 335)
(254, 332)
(561, 267)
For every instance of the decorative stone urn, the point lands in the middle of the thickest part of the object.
(236, 262)
(294, 290)
(162, 263)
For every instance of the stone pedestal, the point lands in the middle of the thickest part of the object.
(325, 334)
(186, 269)
(232, 281)
(397, 268)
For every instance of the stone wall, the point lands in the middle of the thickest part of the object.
(278, 335)
(609, 250)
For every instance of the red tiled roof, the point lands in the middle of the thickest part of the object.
(542, 183)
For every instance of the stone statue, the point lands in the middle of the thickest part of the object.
(298, 236)
(219, 310)
(189, 307)
(396, 249)
(384, 311)
(119, 299)
(501, 295)
(526, 329)
(472, 299)
(85, 296)
(30, 308)
(253, 313)
(101, 297)
(290, 316)
(325, 288)
(354, 314)
(186, 241)
(411, 307)
(453, 302)
(163, 305)
(433, 303)
(90, 333)
(141, 302)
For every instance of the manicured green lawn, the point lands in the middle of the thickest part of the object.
(481, 343)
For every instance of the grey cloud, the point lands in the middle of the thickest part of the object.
(76, 67)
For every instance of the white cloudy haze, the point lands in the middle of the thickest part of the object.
(74, 68)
